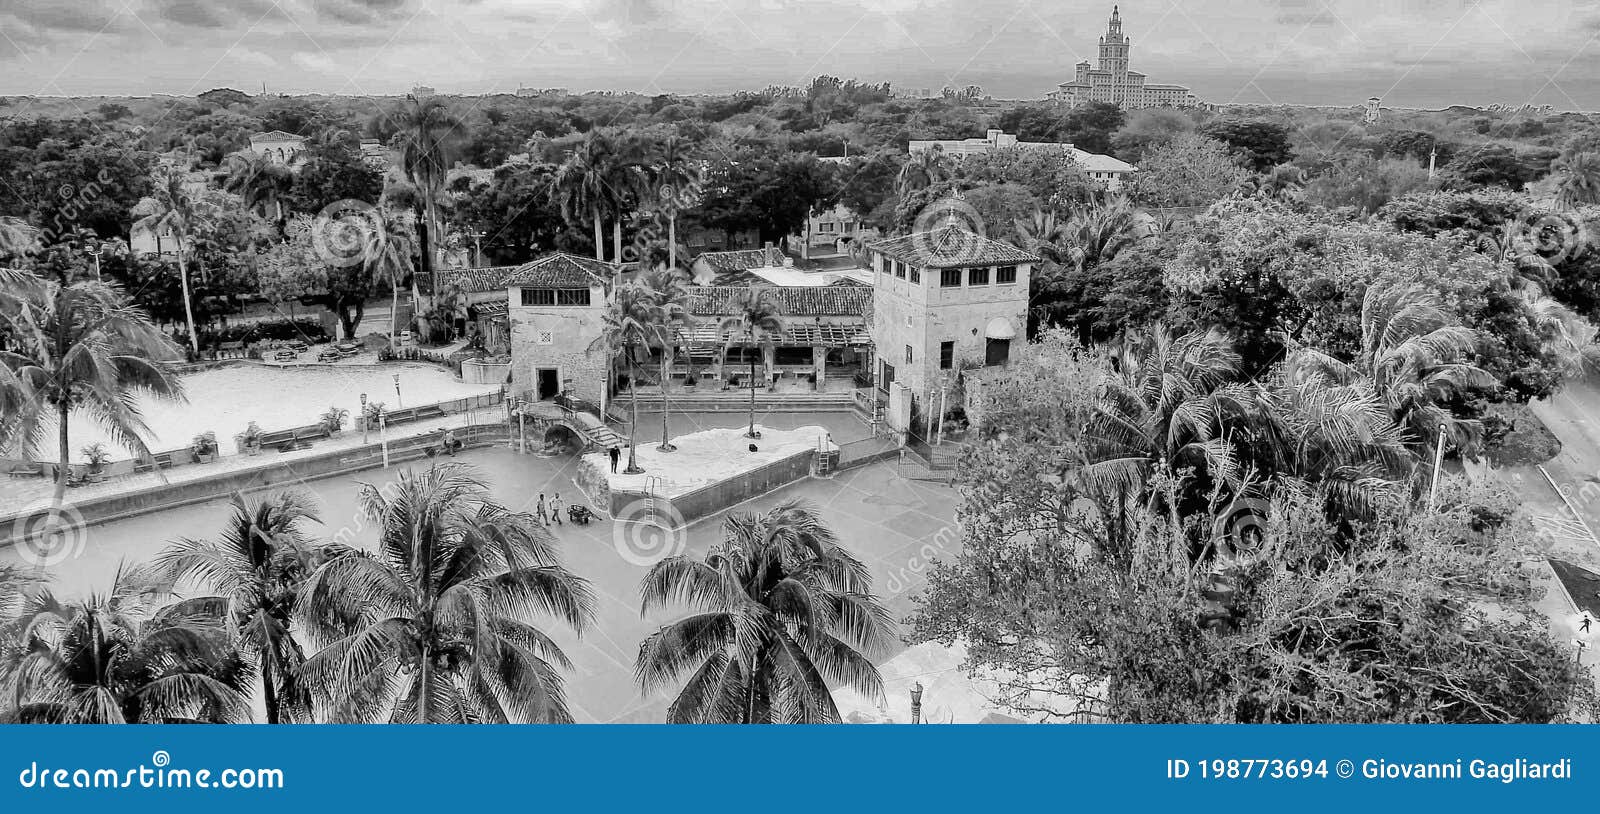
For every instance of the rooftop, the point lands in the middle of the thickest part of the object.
(561, 269)
(470, 280)
(794, 301)
(951, 247)
(277, 135)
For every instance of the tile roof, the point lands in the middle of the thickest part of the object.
(561, 269)
(472, 281)
(950, 247)
(742, 260)
(798, 301)
(491, 309)
(277, 135)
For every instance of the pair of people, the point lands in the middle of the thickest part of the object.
(554, 511)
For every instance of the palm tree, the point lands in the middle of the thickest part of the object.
(438, 626)
(1580, 179)
(922, 170)
(757, 318)
(80, 347)
(387, 252)
(256, 566)
(1098, 232)
(630, 323)
(111, 658)
(628, 182)
(669, 316)
(676, 174)
(170, 209)
(582, 186)
(261, 183)
(428, 134)
(781, 610)
(1045, 236)
(1415, 359)
(1165, 407)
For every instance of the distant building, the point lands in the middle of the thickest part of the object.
(283, 148)
(1373, 111)
(835, 230)
(943, 300)
(374, 154)
(1111, 172)
(422, 91)
(542, 91)
(556, 310)
(912, 93)
(1115, 82)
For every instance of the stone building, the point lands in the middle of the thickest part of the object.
(282, 148)
(943, 301)
(556, 309)
(1114, 82)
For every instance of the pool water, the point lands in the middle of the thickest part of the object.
(893, 523)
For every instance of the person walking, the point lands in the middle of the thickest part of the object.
(616, 455)
(555, 508)
(539, 511)
(1584, 628)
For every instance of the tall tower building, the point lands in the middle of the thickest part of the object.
(1115, 81)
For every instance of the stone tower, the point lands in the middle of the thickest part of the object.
(1114, 48)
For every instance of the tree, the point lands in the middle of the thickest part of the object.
(582, 186)
(515, 214)
(779, 610)
(112, 658)
(438, 626)
(922, 170)
(1259, 145)
(257, 566)
(170, 209)
(757, 318)
(1365, 183)
(675, 174)
(1148, 129)
(333, 172)
(262, 183)
(1089, 126)
(669, 296)
(428, 134)
(1579, 179)
(629, 325)
(1189, 171)
(1053, 176)
(1492, 164)
(79, 347)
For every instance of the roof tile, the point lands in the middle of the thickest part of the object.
(951, 247)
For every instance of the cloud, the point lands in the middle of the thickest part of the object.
(358, 11)
(81, 16)
(318, 63)
(215, 13)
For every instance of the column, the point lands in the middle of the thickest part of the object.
(819, 366)
(769, 361)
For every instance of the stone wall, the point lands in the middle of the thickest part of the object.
(570, 331)
(704, 502)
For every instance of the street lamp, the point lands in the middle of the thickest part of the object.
(477, 245)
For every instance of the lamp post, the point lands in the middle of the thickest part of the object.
(364, 422)
(1438, 460)
(477, 248)
(99, 249)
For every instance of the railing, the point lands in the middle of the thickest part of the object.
(865, 451)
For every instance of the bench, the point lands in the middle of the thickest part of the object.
(291, 440)
(161, 460)
(27, 471)
(285, 356)
(413, 414)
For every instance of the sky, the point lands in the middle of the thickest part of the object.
(1411, 53)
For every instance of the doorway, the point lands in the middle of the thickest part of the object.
(548, 383)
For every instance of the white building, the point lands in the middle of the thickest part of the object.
(1103, 168)
(1114, 82)
(282, 148)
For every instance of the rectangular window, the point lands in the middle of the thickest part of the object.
(1005, 274)
(978, 275)
(825, 226)
(947, 355)
(899, 269)
(950, 278)
(909, 359)
(916, 275)
(572, 296)
(538, 296)
(555, 296)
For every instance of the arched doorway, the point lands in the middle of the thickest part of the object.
(561, 440)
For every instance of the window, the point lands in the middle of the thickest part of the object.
(899, 269)
(825, 226)
(916, 275)
(997, 353)
(1005, 274)
(947, 355)
(950, 278)
(909, 358)
(555, 296)
(978, 275)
